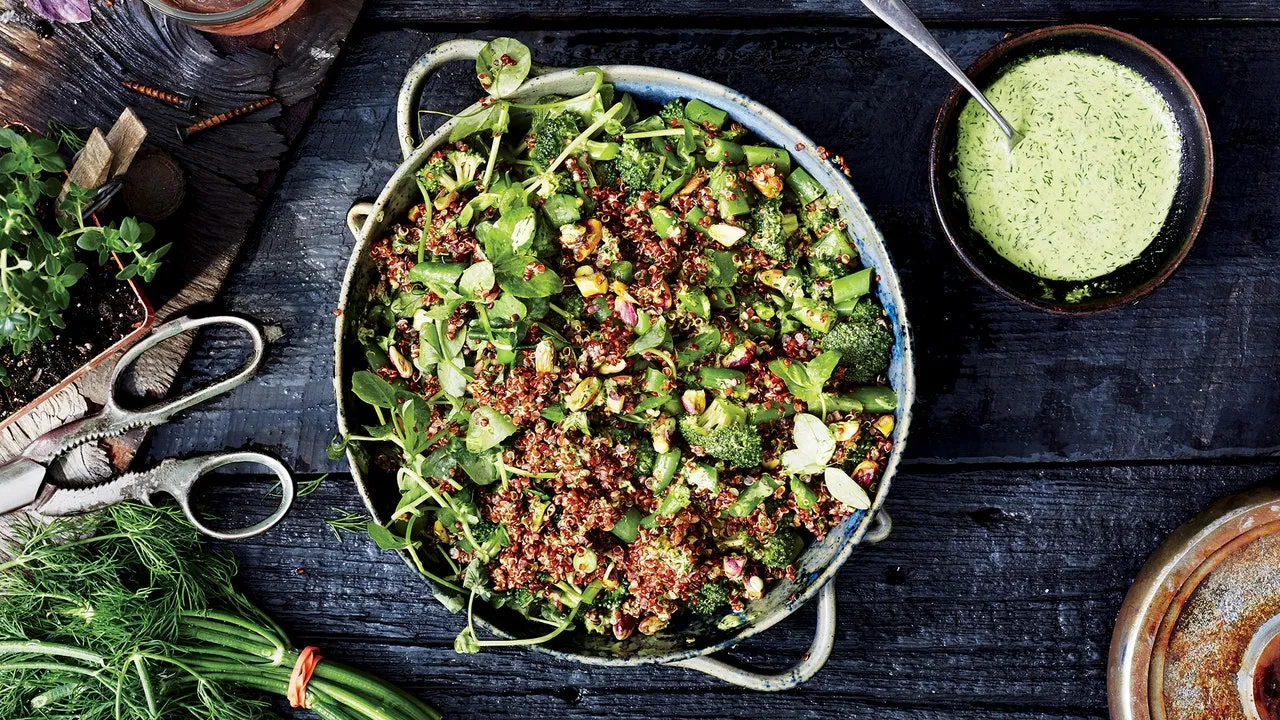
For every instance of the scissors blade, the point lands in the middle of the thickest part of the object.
(139, 487)
(20, 483)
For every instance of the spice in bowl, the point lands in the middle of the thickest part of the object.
(1089, 186)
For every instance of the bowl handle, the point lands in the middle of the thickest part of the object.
(407, 125)
(823, 639)
(356, 217)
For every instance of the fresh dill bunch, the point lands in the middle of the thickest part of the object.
(125, 615)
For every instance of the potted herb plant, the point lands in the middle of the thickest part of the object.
(68, 286)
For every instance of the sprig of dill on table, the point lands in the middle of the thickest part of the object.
(124, 614)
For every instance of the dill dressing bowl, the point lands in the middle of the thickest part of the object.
(688, 642)
(1103, 198)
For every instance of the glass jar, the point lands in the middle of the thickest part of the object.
(228, 17)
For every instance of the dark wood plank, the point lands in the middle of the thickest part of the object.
(993, 598)
(1188, 373)
(770, 13)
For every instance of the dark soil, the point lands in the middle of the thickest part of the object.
(103, 311)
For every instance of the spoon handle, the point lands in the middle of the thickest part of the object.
(899, 17)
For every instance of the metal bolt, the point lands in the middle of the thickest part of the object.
(186, 102)
(220, 118)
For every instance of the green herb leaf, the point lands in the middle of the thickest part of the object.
(453, 379)
(385, 539)
(813, 438)
(502, 66)
(756, 493)
(723, 271)
(657, 336)
(517, 227)
(487, 429)
(372, 389)
(508, 308)
(471, 123)
(477, 280)
(814, 446)
(543, 283)
(845, 489)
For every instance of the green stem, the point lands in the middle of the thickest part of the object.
(375, 684)
(493, 160)
(32, 647)
(669, 132)
(586, 134)
(44, 699)
(519, 641)
(413, 553)
(50, 666)
(238, 643)
(239, 622)
(595, 88)
(526, 473)
(144, 679)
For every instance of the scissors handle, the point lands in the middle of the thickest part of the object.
(178, 477)
(114, 419)
(160, 412)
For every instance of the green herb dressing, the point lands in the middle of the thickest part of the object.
(1089, 186)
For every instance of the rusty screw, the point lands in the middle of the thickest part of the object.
(186, 102)
(220, 118)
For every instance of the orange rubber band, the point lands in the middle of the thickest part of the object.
(308, 659)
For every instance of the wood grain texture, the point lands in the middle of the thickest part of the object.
(993, 598)
(771, 13)
(73, 75)
(1187, 373)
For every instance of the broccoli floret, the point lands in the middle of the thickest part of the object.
(606, 172)
(640, 169)
(711, 600)
(432, 176)
(611, 599)
(825, 267)
(819, 217)
(574, 305)
(672, 113)
(646, 456)
(722, 432)
(449, 171)
(863, 341)
(772, 228)
(636, 167)
(780, 550)
(551, 134)
(519, 599)
(550, 183)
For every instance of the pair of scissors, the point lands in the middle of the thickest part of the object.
(25, 482)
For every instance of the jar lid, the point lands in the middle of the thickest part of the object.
(1198, 635)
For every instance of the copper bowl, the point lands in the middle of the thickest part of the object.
(1190, 201)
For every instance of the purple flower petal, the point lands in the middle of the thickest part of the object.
(63, 11)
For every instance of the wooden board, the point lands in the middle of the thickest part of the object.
(73, 75)
(992, 599)
(820, 13)
(1049, 456)
(1188, 373)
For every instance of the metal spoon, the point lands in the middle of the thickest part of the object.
(899, 17)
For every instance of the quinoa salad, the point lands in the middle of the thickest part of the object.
(622, 361)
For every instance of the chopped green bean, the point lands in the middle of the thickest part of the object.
(805, 187)
(700, 113)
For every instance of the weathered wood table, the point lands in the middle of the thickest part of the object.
(1048, 458)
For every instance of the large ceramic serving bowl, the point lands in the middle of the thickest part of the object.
(686, 644)
(1190, 200)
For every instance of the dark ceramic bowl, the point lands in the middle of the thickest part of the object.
(1190, 200)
